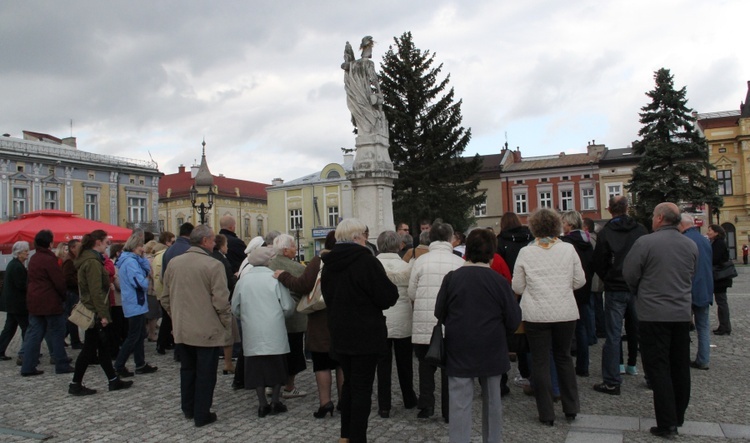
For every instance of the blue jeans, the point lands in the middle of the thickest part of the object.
(615, 304)
(133, 343)
(702, 328)
(39, 326)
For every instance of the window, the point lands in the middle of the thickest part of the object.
(565, 178)
(544, 180)
(724, 178)
(588, 200)
(566, 200)
(20, 201)
(519, 182)
(92, 206)
(521, 206)
(333, 174)
(180, 221)
(259, 221)
(19, 168)
(161, 225)
(613, 190)
(295, 219)
(136, 209)
(92, 175)
(50, 199)
(480, 210)
(247, 225)
(141, 182)
(51, 170)
(545, 199)
(333, 215)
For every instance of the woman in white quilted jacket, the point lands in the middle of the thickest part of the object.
(545, 275)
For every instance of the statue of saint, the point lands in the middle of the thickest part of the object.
(363, 96)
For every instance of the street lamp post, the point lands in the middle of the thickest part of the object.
(202, 207)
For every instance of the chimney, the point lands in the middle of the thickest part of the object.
(277, 182)
(194, 170)
(348, 161)
(594, 150)
(70, 141)
(181, 169)
(517, 155)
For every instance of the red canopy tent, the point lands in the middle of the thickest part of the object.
(64, 225)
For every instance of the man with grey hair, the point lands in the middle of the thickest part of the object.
(659, 269)
(285, 248)
(702, 292)
(235, 245)
(425, 281)
(13, 300)
(196, 297)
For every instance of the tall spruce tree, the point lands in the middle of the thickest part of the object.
(427, 140)
(674, 163)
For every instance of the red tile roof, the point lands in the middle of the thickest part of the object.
(181, 182)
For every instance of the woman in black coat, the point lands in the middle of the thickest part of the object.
(479, 311)
(357, 291)
(14, 297)
(717, 235)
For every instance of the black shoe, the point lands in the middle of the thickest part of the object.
(581, 373)
(161, 351)
(278, 408)
(32, 373)
(124, 372)
(694, 364)
(77, 345)
(67, 370)
(78, 389)
(117, 384)
(664, 432)
(211, 418)
(722, 332)
(5, 357)
(146, 369)
(607, 389)
(236, 385)
(548, 422)
(383, 413)
(426, 413)
(504, 390)
(188, 415)
(265, 410)
(570, 416)
(325, 409)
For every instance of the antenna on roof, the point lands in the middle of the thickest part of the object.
(71, 127)
(152, 160)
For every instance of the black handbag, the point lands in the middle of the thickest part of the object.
(436, 351)
(725, 271)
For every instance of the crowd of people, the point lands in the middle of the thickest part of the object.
(531, 293)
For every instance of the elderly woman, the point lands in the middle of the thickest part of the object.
(357, 291)
(398, 320)
(318, 339)
(133, 270)
(717, 235)
(479, 312)
(13, 300)
(545, 274)
(261, 303)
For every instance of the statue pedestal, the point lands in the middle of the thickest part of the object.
(372, 178)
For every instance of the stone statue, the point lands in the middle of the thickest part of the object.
(363, 96)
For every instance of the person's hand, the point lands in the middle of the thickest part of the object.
(104, 322)
(277, 273)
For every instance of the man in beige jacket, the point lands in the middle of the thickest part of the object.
(196, 297)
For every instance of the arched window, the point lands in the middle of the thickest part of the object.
(333, 174)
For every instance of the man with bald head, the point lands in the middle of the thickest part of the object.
(235, 245)
(659, 270)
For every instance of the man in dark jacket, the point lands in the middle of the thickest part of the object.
(13, 299)
(44, 298)
(235, 245)
(165, 340)
(614, 242)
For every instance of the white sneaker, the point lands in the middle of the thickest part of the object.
(631, 370)
(293, 393)
(520, 381)
(622, 369)
(269, 391)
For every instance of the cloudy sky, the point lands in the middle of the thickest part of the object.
(261, 80)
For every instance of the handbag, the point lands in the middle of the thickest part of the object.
(314, 300)
(725, 271)
(436, 351)
(82, 316)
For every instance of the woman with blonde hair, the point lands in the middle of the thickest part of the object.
(546, 273)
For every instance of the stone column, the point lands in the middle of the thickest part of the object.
(372, 178)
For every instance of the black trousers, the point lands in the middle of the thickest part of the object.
(12, 323)
(356, 395)
(198, 367)
(665, 350)
(402, 348)
(94, 340)
(427, 382)
(164, 340)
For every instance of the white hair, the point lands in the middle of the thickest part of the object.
(349, 229)
(19, 247)
(283, 241)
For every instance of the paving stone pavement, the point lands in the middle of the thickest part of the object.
(39, 407)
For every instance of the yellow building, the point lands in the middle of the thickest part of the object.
(40, 171)
(309, 207)
(728, 137)
(244, 200)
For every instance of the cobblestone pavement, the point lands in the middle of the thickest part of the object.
(38, 407)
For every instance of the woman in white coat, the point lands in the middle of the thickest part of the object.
(398, 321)
(261, 303)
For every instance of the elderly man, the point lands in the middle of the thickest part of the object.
(659, 269)
(703, 290)
(285, 248)
(236, 247)
(424, 283)
(614, 242)
(196, 297)
(165, 339)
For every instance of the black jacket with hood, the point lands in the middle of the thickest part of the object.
(612, 245)
(581, 241)
(510, 242)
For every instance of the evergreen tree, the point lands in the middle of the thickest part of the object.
(674, 163)
(427, 140)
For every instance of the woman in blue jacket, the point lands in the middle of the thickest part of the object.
(133, 270)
